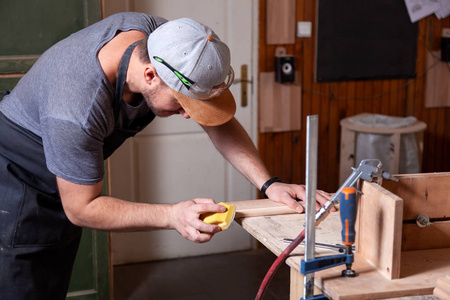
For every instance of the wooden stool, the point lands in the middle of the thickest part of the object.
(348, 144)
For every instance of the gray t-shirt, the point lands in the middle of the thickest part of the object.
(67, 100)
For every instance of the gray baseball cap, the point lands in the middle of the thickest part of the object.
(192, 60)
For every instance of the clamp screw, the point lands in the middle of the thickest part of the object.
(423, 221)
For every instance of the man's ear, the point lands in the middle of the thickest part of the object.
(150, 75)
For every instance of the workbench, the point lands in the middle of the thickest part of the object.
(412, 274)
(271, 230)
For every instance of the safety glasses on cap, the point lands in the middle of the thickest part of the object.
(201, 93)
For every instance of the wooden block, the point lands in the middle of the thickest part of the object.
(379, 229)
(280, 105)
(281, 26)
(260, 207)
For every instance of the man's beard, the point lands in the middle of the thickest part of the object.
(148, 96)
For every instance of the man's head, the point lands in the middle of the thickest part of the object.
(195, 64)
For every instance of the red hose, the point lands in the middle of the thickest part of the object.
(277, 263)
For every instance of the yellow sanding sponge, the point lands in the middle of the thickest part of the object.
(222, 219)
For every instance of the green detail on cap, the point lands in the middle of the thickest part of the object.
(181, 77)
(186, 81)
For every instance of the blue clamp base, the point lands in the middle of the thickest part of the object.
(325, 262)
(317, 297)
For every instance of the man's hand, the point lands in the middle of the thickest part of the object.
(186, 219)
(290, 193)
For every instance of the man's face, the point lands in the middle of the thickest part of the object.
(163, 103)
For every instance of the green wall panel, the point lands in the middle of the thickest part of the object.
(27, 29)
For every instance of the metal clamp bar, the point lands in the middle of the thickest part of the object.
(311, 187)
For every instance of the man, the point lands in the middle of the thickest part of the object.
(77, 104)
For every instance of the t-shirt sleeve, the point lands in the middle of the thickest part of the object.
(71, 152)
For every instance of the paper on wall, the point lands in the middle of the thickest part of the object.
(445, 9)
(418, 9)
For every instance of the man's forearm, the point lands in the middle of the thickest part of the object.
(236, 146)
(233, 142)
(118, 215)
(85, 207)
(112, 214)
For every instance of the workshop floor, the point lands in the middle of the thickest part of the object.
(231, 276)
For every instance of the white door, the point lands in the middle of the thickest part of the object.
(173, 159)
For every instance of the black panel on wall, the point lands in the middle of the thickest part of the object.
(360, 40)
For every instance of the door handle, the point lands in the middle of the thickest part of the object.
(244, 81)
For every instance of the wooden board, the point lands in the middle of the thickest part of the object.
(427, 193)
(281, 23)
(260, 207)
(280, 105)
(379, 228)
(424, 194)
(271, 230)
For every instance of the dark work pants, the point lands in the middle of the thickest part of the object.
(38, 244)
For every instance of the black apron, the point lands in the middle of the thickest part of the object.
(123, 131)
(38, 244)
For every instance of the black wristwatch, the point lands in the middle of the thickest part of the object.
(267, 184)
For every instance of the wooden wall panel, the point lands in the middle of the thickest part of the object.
(285, 152)
(281, 23)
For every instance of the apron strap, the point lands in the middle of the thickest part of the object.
(121, 79)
